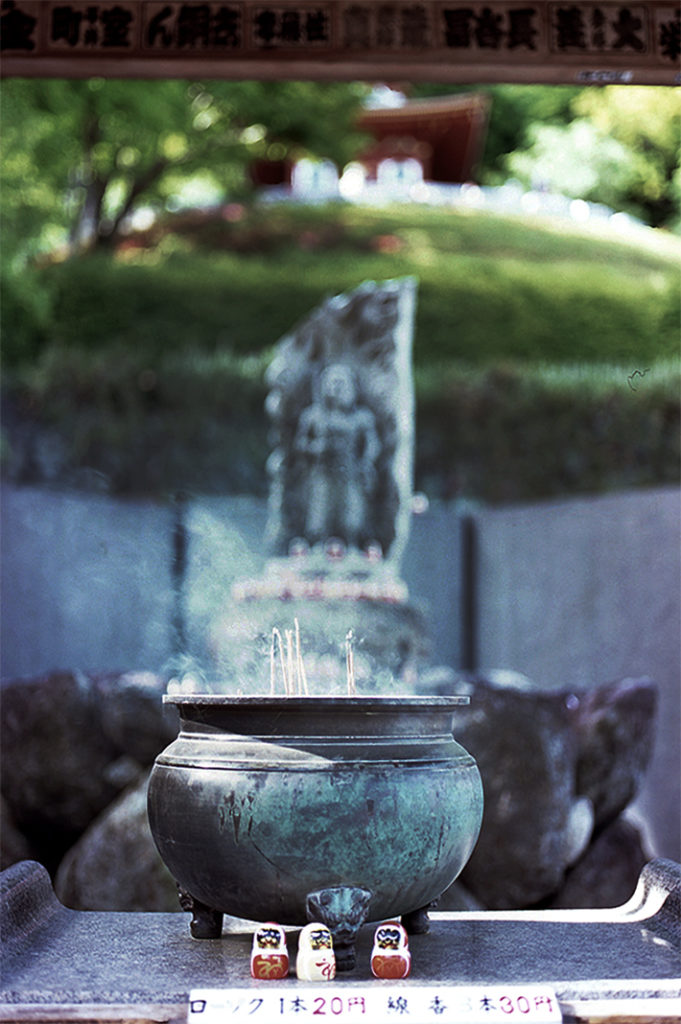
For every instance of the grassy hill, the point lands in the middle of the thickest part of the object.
(143, 367)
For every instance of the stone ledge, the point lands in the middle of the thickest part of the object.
(73, 965)
(27, 903)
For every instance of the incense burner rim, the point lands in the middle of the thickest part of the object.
(405, 702)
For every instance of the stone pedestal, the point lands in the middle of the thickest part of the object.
(605, 965)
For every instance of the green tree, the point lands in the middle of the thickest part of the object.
(82, 155)
(575, 160)
(620, 148)
(645, 122)
(78, 157)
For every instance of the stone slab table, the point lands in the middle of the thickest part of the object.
(606, 965)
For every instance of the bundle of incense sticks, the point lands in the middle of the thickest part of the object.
(290, 660)
(293, 667)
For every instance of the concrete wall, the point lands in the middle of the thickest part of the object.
(571, 593)
(86, 583)
(90, 582)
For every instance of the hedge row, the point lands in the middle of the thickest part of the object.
(509, 433)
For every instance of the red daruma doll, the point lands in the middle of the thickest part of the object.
(269, 955)
(390, 957)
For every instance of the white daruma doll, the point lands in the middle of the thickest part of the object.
(390, 957)
(316, 960)
(269, 955)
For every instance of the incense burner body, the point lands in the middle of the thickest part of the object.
(264, 802)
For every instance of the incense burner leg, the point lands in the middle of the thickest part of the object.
(417, 922)
(206, 923)
(343, 910)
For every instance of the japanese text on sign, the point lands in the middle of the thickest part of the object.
(376, 1005)
(449, 27)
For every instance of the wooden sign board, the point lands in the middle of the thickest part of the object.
(441, 40)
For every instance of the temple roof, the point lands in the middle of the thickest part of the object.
(452, 128)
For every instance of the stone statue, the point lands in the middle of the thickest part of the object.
(341, 405)
(338, 443)
(340, 401)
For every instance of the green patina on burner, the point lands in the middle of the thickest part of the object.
(343, 809)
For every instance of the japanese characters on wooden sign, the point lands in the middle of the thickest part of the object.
(442, 39)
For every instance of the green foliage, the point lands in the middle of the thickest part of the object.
(504, 433)
(135, 424)
(79, 157)
(29, 195)
(83, 155)
(490, 287)
(646, 123)
(621, 148)
(26, 316)
(514, 110)
(148, 362)
(511, 433)
(574, 160)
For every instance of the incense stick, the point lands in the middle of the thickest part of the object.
(290, 684)
(303, 674)
(276, 634)
(302, 679)
(272, 669)
(350, 664)
(296, 683)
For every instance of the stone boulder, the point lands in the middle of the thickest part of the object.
(534, 824)
(608, 871)
(457, 897)
(14, 846)
(115, 864)
(555, 766)
(70, 743)
(615, 727)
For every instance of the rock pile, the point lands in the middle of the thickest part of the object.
(559, 768)
(76, 752)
